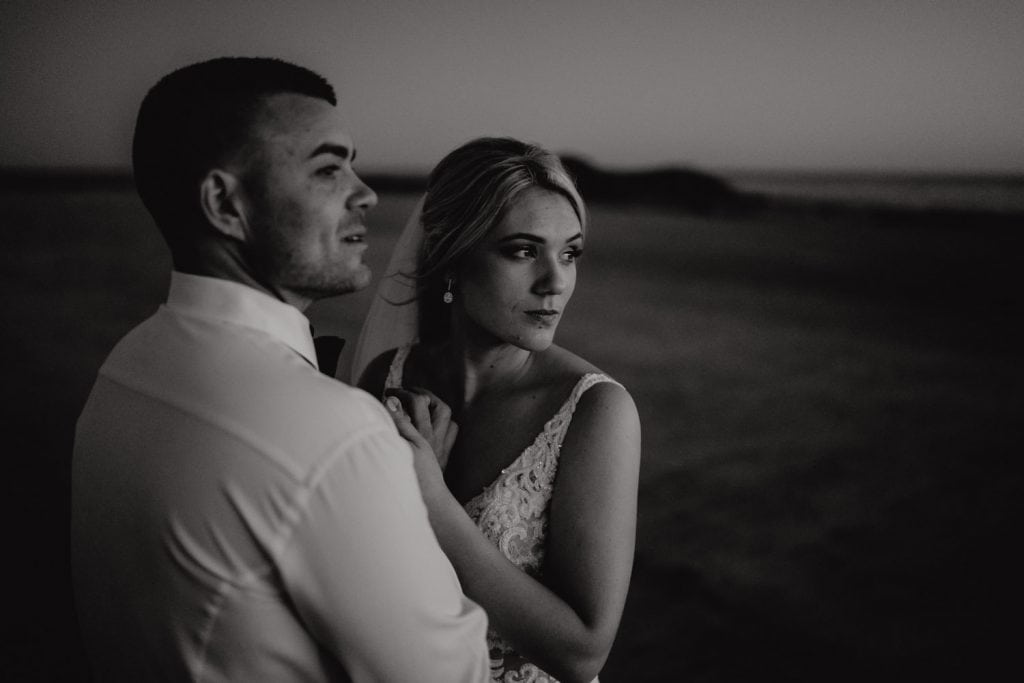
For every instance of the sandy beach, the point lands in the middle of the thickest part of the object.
(830, 397)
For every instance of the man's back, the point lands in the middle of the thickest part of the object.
(237, 515)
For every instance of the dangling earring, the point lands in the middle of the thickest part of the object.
(448, 297)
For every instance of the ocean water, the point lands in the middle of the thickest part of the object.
(996, 193)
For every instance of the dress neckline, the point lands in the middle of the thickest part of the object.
(549, 430)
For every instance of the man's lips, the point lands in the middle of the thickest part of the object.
(355, 236)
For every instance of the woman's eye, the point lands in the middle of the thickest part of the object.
(572, 255)
(524, 251)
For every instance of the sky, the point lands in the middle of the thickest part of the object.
(903, 85)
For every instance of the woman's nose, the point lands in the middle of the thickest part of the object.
(553, 279)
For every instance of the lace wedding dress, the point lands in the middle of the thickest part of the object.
(512, 512)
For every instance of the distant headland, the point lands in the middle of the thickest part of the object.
(683, 189)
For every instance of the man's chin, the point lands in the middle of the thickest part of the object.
(361, 280)
(353, 283)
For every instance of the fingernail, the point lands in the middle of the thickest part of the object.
(393, 404)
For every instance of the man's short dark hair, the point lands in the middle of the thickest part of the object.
(196, 118)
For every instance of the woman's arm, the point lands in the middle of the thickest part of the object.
(566, 624)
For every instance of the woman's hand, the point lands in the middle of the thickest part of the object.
(431, 417)
(425, 422)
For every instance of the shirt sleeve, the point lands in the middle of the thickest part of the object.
(369, 579)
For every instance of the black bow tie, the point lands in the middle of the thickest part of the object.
(328, 349)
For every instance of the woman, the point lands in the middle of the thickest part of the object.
(536, 506)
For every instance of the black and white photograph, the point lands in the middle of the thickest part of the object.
(512, 341)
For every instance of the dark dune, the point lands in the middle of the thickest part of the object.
(674, 188)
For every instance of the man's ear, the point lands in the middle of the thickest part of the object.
(221, 202)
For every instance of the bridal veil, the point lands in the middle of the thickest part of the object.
(393, 317)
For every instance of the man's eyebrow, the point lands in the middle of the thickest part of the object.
(533, 238)
(335, 149)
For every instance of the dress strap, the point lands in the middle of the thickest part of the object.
(586, 381)
(559, 424)
(394, 378)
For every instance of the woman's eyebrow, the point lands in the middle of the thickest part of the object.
(521, 236)
(529, 237)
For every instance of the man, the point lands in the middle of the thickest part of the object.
(236, 514)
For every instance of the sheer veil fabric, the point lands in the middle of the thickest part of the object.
(392, 320)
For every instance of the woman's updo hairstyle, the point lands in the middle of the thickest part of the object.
(468, 193)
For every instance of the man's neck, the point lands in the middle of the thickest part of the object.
(228, 264)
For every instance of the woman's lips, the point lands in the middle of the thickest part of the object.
(544, 315)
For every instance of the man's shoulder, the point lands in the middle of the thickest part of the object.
(339, 406)
(310, 416)
(250, 386)
(314, 423)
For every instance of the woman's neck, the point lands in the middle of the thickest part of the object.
(483, 364)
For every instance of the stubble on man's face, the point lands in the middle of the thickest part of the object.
(307, 209)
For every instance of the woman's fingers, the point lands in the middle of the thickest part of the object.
(402, 422)
(424, 461)
(417, 408)
(394, 405)
(440, 412)
(430, 416)
(441, 439)
(449, 441)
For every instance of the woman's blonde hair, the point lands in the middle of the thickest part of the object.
(468, 193)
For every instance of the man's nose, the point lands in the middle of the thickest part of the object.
(362, 197)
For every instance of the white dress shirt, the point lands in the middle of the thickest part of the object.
(236, 515)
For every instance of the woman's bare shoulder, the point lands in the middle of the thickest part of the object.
(559, 362)
(610, 400)
(605, 424)
(563, 370)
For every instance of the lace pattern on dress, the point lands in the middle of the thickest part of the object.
(394, 379)
(512, 512)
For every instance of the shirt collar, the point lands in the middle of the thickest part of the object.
(233, 302)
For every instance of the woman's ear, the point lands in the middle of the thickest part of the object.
(221, 203)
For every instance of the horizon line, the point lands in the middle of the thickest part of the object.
(84, 172)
